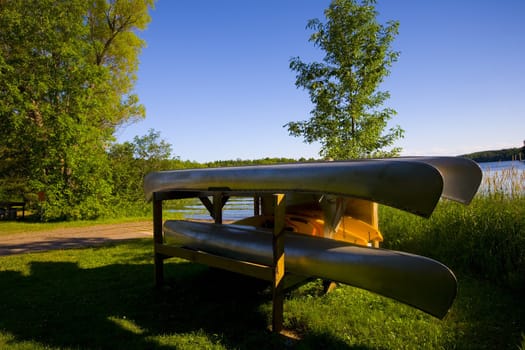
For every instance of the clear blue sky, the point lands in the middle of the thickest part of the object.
(215, 81)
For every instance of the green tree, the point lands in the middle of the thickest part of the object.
(67, 70)
(112, 26)
(152, 151)
(131, 161)
(347, 118)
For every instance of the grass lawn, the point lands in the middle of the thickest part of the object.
(103, 298)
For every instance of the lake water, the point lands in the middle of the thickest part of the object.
(498, 166)
(237, 208)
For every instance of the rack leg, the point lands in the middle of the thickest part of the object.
(278, 263)
(158, 239)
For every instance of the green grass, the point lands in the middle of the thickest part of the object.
(103, 298)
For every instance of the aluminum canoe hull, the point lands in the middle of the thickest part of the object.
(411, 184)
(414, 280)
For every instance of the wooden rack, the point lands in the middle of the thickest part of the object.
(275, 273)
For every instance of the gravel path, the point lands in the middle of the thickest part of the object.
(74, 237)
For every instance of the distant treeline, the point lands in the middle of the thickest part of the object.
(263, 161)
(497, 155)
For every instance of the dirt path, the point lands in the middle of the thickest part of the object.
(74, 237)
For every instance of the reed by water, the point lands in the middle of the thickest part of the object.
(508, 182)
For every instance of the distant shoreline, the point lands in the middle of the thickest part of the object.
(507, 154)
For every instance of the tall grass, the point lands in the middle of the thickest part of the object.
(486, 238)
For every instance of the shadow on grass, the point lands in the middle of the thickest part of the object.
(486, 316)
(59, 304)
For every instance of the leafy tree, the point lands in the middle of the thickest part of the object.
(152, 151)
(131, 161)
(347, 119)
(112, 26)
(67, 70)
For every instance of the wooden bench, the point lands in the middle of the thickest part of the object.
(9, 210)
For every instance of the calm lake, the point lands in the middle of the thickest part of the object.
(235, 209)
(506, 165)
(238, 208)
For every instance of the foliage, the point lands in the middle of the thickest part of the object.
(67, 69)
(130, 162)
(264, 161)
(347, 119)
(114, 45)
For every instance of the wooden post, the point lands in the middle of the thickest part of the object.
(278, 263)
(256, 205)
(158, 239)
(217, 208)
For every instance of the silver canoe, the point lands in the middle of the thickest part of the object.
(414, 280)
(413, 184)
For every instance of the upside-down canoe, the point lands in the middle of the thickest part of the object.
(413, 184)
(415, 280)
